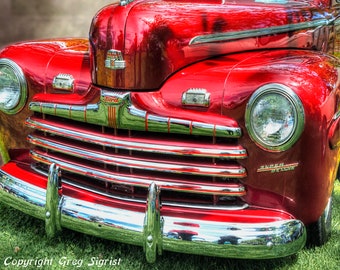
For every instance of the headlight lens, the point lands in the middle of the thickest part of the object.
(13, 87)
(274, 117)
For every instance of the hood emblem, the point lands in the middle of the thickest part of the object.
(114, 60)
(63, 82)
(196, 97)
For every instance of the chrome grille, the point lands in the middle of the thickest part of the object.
(195, 171)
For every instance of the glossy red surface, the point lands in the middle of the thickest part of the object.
(41, 61)
(304, 191)
(155, 40)
(52, 57)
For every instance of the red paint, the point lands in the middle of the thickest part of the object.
(154, 38)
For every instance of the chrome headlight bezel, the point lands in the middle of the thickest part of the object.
(292, 130)
(20, 98)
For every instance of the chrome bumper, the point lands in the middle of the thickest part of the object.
(150, 229)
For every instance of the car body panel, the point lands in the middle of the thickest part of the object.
(139, 134)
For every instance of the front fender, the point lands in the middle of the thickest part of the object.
(40, 62)
(304, 189)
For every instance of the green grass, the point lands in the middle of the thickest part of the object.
(23, 238)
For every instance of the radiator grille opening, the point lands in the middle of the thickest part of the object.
(192, 171)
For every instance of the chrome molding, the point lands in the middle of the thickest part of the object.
(123, 114)
(154, 231)
(166, 184)
(145, 164)
(138, 144)
(251, 33)
(164, 203)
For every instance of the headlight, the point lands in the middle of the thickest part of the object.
(13, 87)
(274, 117)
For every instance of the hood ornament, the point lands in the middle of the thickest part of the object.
(114, 60)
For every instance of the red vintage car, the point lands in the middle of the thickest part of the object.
(206, 127)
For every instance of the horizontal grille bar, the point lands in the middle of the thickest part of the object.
(226, 189)
(234, 171)
(139, 144)
(239, 206)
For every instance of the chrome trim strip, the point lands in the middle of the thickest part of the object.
(212, 238)
(54, 107)
(164, 203)
(181, 186)
(165, 124)
(207, 207)
(117, 111)
(218, 37)
(140, 163)
(143, 145)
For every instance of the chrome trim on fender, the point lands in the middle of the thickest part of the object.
(179, 234)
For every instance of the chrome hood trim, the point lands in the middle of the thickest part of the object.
(229, 36)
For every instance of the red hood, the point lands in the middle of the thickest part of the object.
(157, 38)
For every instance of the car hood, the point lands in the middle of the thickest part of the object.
(139, 45)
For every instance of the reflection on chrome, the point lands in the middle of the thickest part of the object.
(127, 116)
(152, 230)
